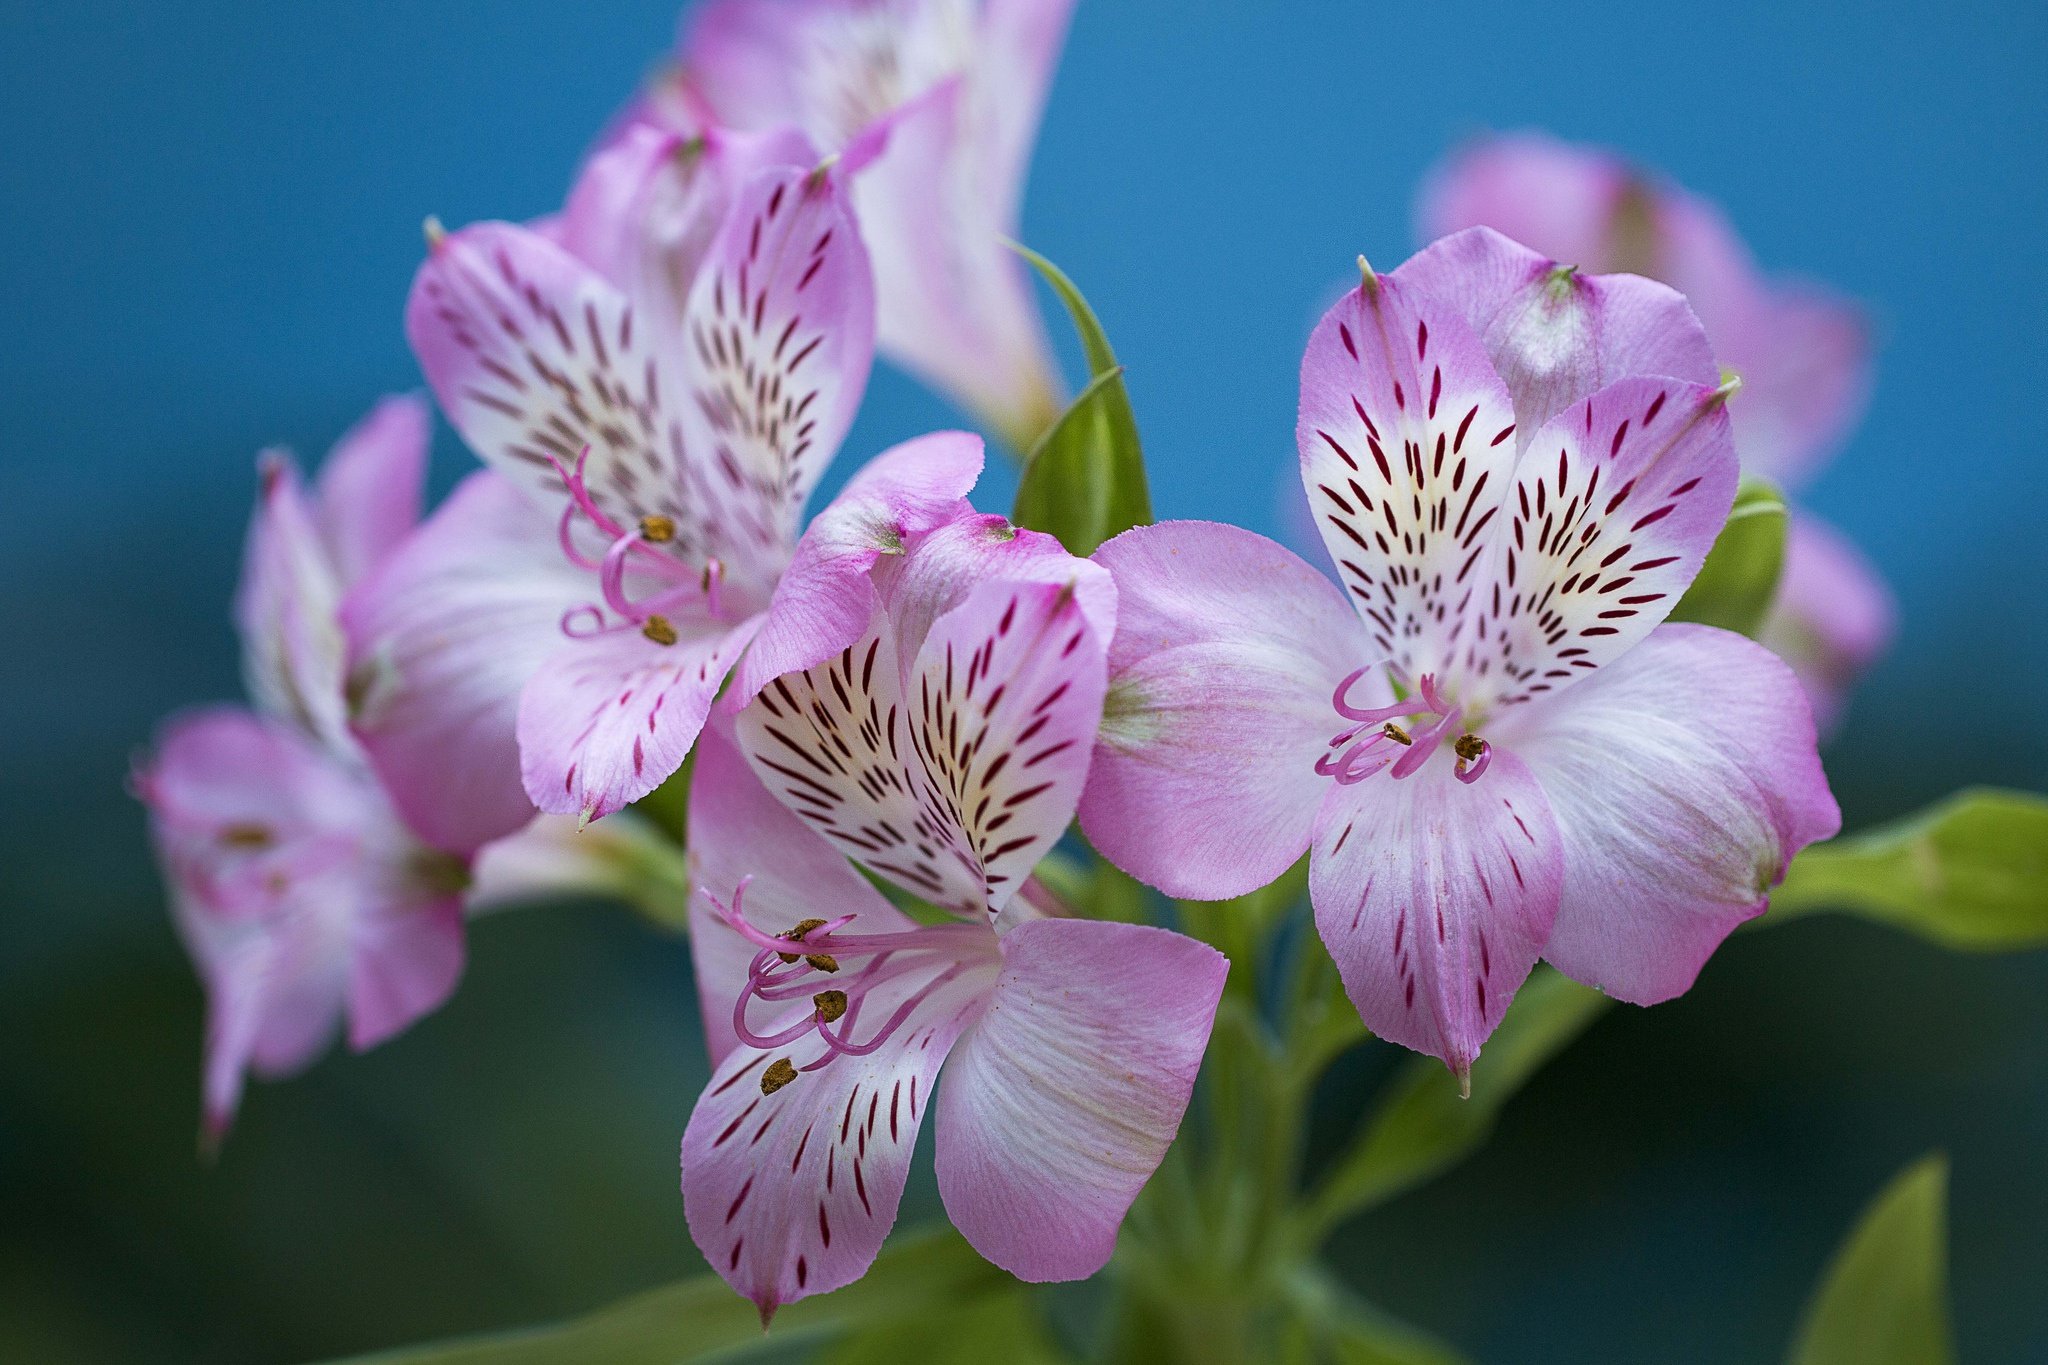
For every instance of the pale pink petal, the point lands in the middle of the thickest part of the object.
(792, 1193)
(442, 641)
(535, 356)
(647, 206)
(739, 833)
(555, 857)
(1408, 442)
(823, 601)
(405, 958)
(1805, 363)
(1558, 335)
(780, 337)
(1436, 897)
(293, 652)
(1017, 55)
(371, 484)
(1228, 651)
(1059, 1104)
(606, 720)
(1683, 777)
(1613, 510)
(1553, 196)
(959, 555)
(1833, 615)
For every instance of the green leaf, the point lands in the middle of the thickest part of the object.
(1354, 1332)
(1970, 872)
(918, 1278)
(1423, 1127)
(1740, 577)
(1085, 480)
(1884, 1299)
(1001, 1329)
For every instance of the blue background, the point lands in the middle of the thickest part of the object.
(210, 218)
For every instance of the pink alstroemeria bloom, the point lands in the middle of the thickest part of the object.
(653, 413)
(1803, 354)
(1069, 1046)
(945, 96)
(301, 895)
(1495, 752)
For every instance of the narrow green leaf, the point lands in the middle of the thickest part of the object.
(1354, 1332)
(1085, 480)
(919, 1277)
(1000, 1329)
(1423, 1127)
(1970, 872)
(1736, 584)
(1884, 1298)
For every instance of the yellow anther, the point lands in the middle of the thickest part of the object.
(1469, 747)
(778, 1074)
(657, 530)
(657, 629)
(250, 835)
(796, 934)
(824, 962)
(831, 1005)
(1395, 733)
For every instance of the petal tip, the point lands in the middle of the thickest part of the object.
(435, 234)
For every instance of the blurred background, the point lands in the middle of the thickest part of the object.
(210, 219)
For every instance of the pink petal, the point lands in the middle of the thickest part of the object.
(1059, 1104)
(1436, 897)
(944, 566)
(405, 960)
(1227, 653)
(792, 1193)
(1017, 55)
(534, 356)
(1613, 510)
(647, 206)
(823, 600)
(1407, 441)
(1833, 616)
(292, 649)
(371, 484)
(606, 720)
(442, 641)
(739, 833)
(780, 338)
(1684, 778)
(1556, 335)
(1805, 361)
(551, 858)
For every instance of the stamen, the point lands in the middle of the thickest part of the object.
(1474, 754)
(795, 934)
(831, 1005)
(250, 835)
(658, 629)
(779, 1073)
(1396, 733)
(657, 530)
(1469, 746)
(1412, 706)
(824, 962)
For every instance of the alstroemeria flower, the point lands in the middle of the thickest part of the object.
(1494, 752)
(654, 414)
(1803, 354)
(302, 896)
(950, 93)
(1069, 1046)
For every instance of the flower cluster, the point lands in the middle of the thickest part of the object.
(1485, 735)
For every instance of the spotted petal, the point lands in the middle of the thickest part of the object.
(1407, 448)
(1227, 653)
(1684, 778)
(1435, 898)
(791, 1193)
(823, 601)
(1556, 334)
(606, 720)
(1613, 510)
(1059, 1104)
(441, 643)
(945, 566)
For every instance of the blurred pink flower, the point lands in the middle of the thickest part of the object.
(1803, 354)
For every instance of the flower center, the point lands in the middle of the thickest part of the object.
(905, 967)
(667, 585)
(1374, 742)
